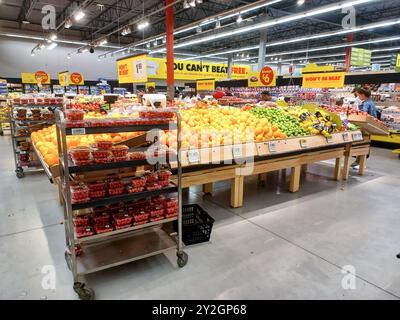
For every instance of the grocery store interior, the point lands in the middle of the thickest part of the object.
(199, 149)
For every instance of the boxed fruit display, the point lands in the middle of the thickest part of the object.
(100, 218)
(122, 219)
(82, 232)
(156, 211)
(115, 191)
(104, 145)
(131, 189)
(153, 186)
(74, 115)
(150, 176)
(80, 153)
(164, 174)
(120, 151)
(138, 182)
(137, 155)
(103, 228)
(81, 221)
(79, 193)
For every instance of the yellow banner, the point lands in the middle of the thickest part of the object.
(75, 78)
(150, 84)
(324, 80)
(205, 85)
(194, 70)
(398, 60)
(63, 78)
(132, 70)
(35, 78)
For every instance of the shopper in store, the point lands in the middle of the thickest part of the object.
(228, 92)
(266, 96)
(367, 105)
(219, 93)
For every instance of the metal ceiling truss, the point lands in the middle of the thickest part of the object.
(26, 9)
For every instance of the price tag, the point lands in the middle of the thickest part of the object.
(345, 137)
(329, 140)
(357, 136)
(272, 146)
(193, 156)
(237, 151)
(303, 143)
(78, 131)
(343, 116)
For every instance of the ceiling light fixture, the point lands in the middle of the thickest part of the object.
(126, 31)
(218, 24)
(53, 36)
(79, 15)
(199, 1)
(143, 25)
(68, 24)
(198, 29)
(68, 56)
(300, 2)
(103, 41)
(52, 45)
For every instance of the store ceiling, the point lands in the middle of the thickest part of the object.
(105, 17)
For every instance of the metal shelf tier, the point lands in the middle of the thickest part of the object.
(114, 253)
(123, 198)
(117, 129)
(112, 234)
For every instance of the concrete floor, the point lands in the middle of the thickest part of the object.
(278, 246)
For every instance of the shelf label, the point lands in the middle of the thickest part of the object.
(272, 146)
(303, 143)
(345, 136)
(329, 140)
(237, 151)
(78, 131)
(357, 136)
(193, 156)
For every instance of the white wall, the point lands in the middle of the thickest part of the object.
(15, 57)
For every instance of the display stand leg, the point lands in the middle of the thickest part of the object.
(295, 179)
(363, 160)
(338, 170)
(346, 164)
(237, 192)
(262, 178)
(208, 188)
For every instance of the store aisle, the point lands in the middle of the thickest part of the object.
(278, 246)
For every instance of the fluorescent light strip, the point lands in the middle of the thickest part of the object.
(325, 9)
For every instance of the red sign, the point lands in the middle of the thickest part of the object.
(41, 77)
(76, 78)
(267, 76)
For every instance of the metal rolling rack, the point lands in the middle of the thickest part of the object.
(107, 250)
(30, 166)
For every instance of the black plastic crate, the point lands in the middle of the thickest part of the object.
(196, 224)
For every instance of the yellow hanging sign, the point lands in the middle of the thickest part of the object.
(150, 84)
(266, 77)
(35, 78)
(63, 78)
(324, 80)
(132, 70)
(205, 85)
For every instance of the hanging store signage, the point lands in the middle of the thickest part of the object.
(205, 85)
(132, 69)
(35, 78)
(398, 62)
(183, 70)
(324, 80)
(63, 78)
(360, 57)
(267, 76)
(76, 78)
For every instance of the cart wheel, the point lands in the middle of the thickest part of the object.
(398, 256)
(20, 173)
(83, 292)
(182, 259)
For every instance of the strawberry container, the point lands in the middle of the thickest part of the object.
(153, 186)
(121, 227)
(151, 177)
(102, 160)
(74, 114)
(101, 218)
(100, 154)
(158, 200)
(164, 174)
(170, 203)
(80, 153)
(122, 219)
(163, 183)
(115, 184)
(103, 228)
(156, 211)
(81, 221)
(120, 151)
(97, 186)
(116, 191)
(131, 189)
(140, 216)
(137, 155)
(138, 182)
(74, 124)
(82, 162)
(79, 193)
(157, 218)
(84, 231)
(120, 159)
(171, 211)
(97, 194)
(104, 145)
